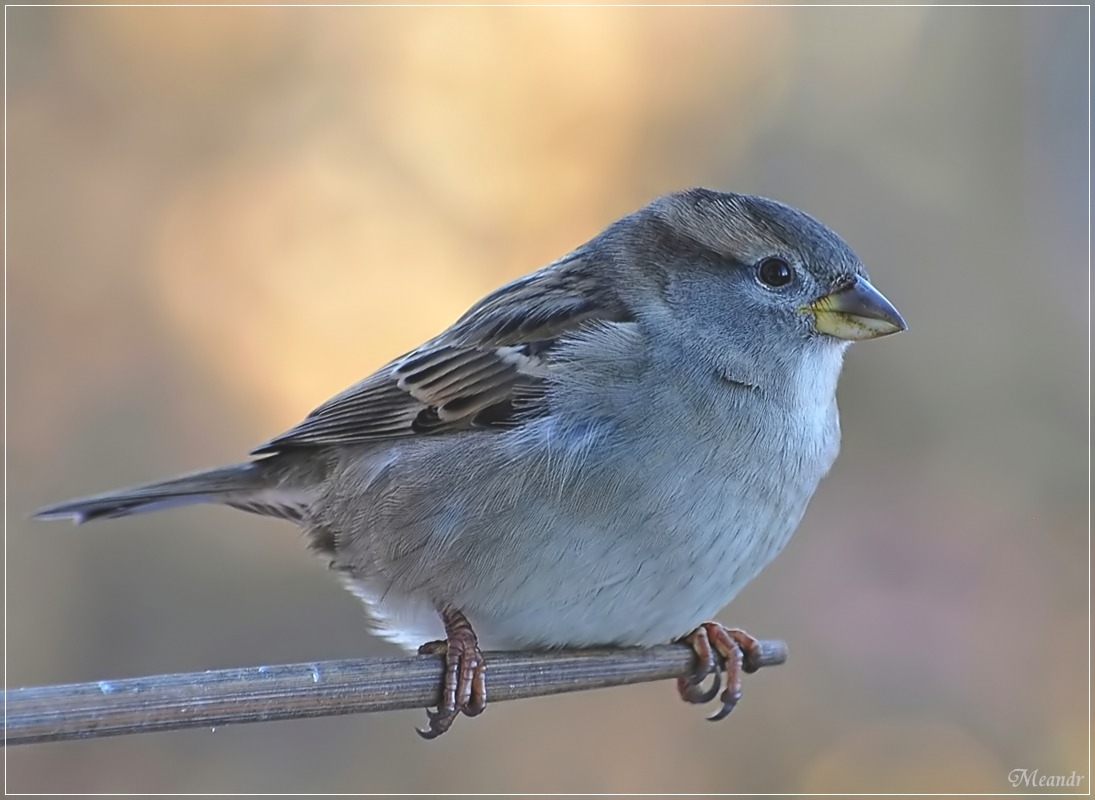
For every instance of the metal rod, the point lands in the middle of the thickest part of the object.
(291, 691)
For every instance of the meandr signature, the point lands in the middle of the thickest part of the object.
(1032, 777)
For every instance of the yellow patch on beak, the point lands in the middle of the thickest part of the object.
(856, 312)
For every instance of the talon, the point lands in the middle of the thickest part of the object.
(464, 689)
(728, 703)
(438, 724)
(691, 692)
(719, 649)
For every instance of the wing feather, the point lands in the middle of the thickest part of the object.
(488, 370)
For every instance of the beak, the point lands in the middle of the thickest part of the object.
(856, 312)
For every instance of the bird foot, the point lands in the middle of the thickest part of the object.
(718, 649)
(465, 687)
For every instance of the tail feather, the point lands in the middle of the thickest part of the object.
(218, 485)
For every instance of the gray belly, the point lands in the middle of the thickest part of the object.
(625, 551)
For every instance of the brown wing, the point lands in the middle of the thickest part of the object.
(487, 370)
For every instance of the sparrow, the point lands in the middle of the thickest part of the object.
(600, 453)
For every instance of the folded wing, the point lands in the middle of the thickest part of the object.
(490, 369)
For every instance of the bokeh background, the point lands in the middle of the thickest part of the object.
(217, 218)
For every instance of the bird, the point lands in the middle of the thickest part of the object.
(602, 452)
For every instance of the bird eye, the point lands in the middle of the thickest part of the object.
(774, 272)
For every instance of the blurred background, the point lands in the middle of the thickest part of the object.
(217, 218)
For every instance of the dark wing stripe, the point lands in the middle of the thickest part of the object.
(472, 403)
(491, 374)
(423, 359)
(390, 410)
(484, 363)
(435, 363)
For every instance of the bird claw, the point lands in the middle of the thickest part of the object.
(464, 690)
(691, 691)
(719, 649)
(436, 727)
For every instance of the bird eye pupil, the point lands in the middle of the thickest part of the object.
(775, 272)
